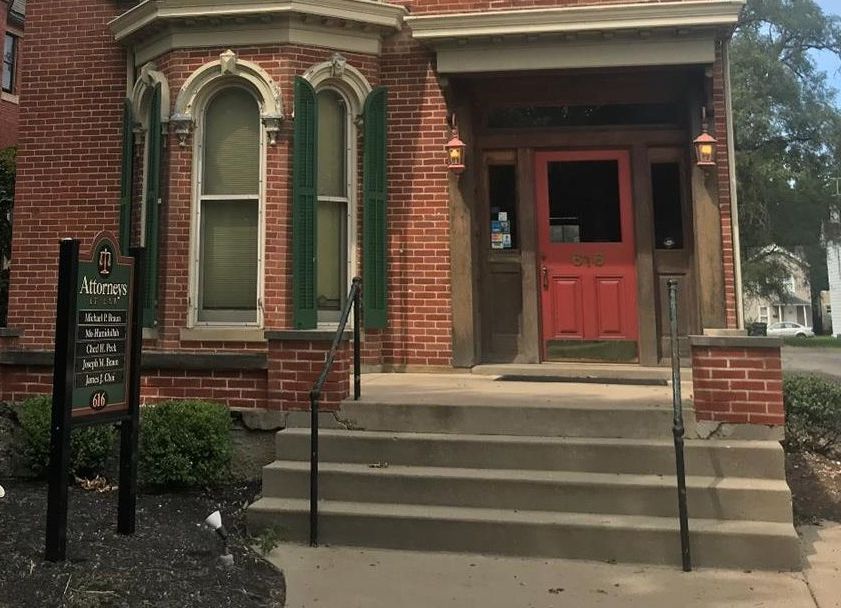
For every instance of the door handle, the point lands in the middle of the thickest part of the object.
(545, 272)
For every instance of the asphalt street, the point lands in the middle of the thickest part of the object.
(823, 361)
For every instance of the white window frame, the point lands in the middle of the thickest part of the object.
(208, 93)
(330, 318)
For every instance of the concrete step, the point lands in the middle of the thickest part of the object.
(562, 491)
(558, 418)
(625, 538)
(706, 458)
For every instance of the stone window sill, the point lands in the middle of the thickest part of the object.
(222, 334)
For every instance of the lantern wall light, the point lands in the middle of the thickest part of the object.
(705, 145)
(455, 151)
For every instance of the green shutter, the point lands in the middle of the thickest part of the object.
(152, 197)
(304, 206)
(375, 190)
(126, 177)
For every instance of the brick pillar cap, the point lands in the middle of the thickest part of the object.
(737, 341)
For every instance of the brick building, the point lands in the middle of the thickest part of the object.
(267, 152)
(12, 18)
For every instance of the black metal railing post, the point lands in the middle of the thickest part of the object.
(353, 301)
(357, 343)
(314, 396)
(678, 430)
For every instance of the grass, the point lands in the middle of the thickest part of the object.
(816, 342)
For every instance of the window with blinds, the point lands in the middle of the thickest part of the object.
(229, 209)
(331, 239)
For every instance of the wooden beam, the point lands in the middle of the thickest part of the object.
(644, 235)
(529, 343)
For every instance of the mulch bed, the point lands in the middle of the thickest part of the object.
(170, 561)
(815, 483)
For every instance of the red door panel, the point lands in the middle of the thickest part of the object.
(609, 295)
(586, 246)
(567, 307)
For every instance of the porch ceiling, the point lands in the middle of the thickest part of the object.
(632, 34)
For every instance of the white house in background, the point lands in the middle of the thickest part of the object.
(832, 238)
(826, 312)
(797, 305)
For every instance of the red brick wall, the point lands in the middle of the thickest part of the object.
(738, 385)
(294, 366)
(70, 142)
(723, 176)
(235, 389)
(419, 311)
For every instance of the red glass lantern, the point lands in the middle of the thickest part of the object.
(705, 146)
(455, 153)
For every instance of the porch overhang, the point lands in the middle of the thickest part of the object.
(154, 27)
(633, 34)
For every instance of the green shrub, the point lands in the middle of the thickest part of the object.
(813, 414)
(90, 446)
(184, 443)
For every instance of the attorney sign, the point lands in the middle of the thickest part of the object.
(103, 321)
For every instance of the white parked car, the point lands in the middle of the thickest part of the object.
(789, 328)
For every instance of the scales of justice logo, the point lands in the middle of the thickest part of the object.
(105, 261)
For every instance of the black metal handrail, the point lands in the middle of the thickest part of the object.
(678, 430)
(354, 302)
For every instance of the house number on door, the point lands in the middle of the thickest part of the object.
(586, 260)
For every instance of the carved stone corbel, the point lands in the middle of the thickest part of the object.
(182, 125)
(271, 123)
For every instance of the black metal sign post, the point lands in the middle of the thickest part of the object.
(65, 330)
(96, 375)
(129, 427)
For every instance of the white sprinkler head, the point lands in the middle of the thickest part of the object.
(2, 492)
(214, 520)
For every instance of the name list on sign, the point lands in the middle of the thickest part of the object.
(100, 347)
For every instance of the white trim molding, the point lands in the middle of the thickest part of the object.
(154, 27)
(340, 74)
(149, 77)
(568, 19)
(600, 36)
(228, 67)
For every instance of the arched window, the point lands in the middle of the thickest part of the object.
(334, 184)
(229, 210)
(334, 105)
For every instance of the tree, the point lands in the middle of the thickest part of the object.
(787, 129)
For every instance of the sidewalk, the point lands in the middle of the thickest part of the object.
(342, 577)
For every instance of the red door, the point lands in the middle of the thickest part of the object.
(587, 272)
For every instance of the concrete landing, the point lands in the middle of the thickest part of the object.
(338, 577)
(469, 389)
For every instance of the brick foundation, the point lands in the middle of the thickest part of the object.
(295, 364)
(738, 379)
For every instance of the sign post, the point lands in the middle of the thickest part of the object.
(96, 376)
